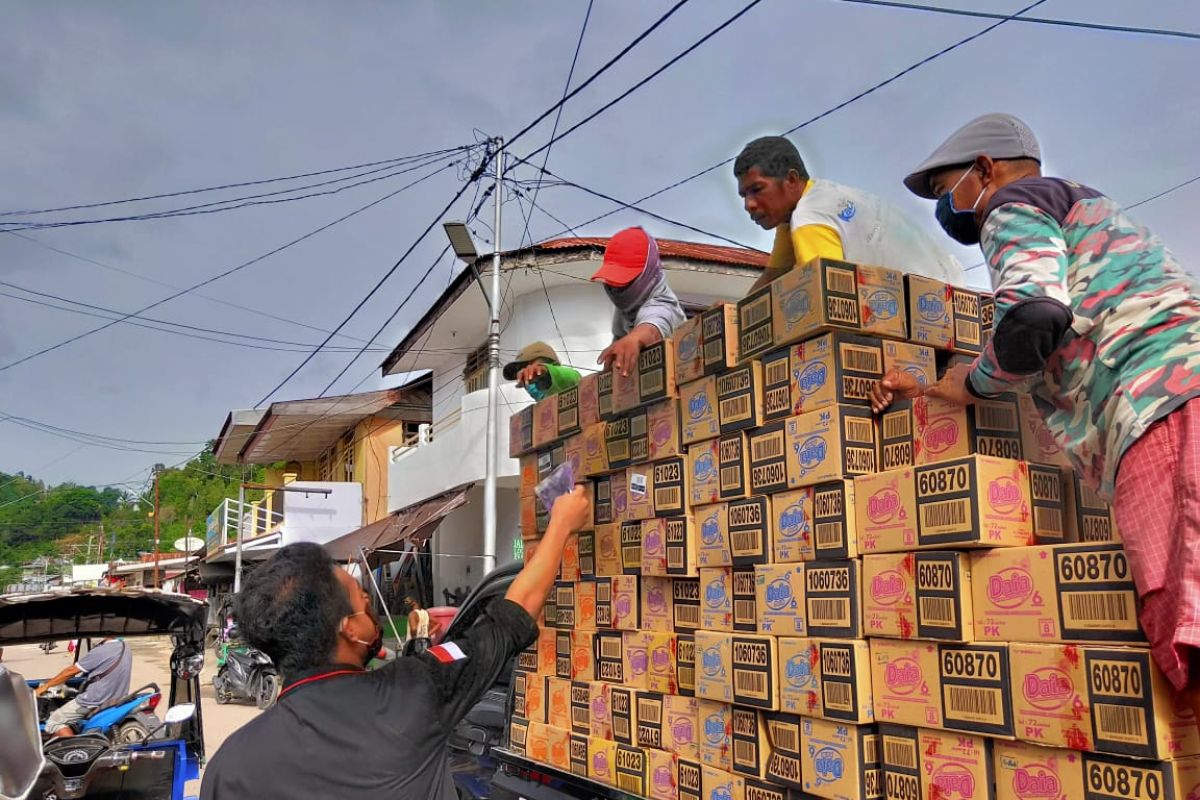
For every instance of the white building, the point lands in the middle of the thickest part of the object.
(547, 296)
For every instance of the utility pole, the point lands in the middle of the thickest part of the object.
(157, 469)
(241, 515)
(491, 468)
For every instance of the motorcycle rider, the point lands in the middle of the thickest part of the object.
(108, 668)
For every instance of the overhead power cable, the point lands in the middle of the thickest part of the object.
(962, 12)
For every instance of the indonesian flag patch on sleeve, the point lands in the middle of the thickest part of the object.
(447, 653)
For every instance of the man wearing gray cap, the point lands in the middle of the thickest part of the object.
(1097, 319)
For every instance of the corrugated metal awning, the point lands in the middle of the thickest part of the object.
(418, 522)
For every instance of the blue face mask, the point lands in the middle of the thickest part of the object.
(958, 225)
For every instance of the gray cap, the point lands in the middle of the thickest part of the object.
(995, 135)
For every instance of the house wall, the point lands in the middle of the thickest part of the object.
(461, 534)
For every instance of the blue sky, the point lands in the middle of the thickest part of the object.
(100, 102)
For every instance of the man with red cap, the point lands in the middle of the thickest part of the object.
(646, 310)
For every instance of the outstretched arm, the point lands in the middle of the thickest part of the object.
(532, 584)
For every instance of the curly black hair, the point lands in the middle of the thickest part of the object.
(291, 606)
(774, 156)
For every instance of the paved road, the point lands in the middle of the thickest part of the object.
(151, 664)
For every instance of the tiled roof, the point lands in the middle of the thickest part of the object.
(712, 253)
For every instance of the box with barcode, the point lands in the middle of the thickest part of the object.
(1037, 443)
(593, 450)
(783, 732)
(754, 671)
(755, 324)
(1134, 709)
(714, 673)
(976, 501)
(720, 336)
(969, 330)
(897, 436)
(836, 368)
(587, 557)
(843, 669)
(685, 664)
(777, 384)
(813, 298)
(579, 754)
(745, 603)
(779, 599)
(621, 705)
(527, 659)
(799, 675)
(832, 443)
(581, 707)
(768, 790)
(518, 735)
(881, 299)
(639, 503)
(607, 544)
(792, 525)
(840, 761)
(549, 618)
(639, 435)
(1023, 769)
(682, 546)
(703, 475)
(669, 486)
(568, 412)
(558, 702)
(660, 775)
(1089, 517)
(529, 695)
(716, 597)
(679, 726)
(886, 511)
(655, 604)
(654, 546)
(656, 372)
(1055, 593)
(722, 785)
(631, 547)
(598, 715)
(698, 409)
(834, 524)
(604, 394)
(602, 760)
(740, 397)
(944, 430)
(603, 512)
(648, 716)
(900, 756)
(733, 463)
(1049, 695)
(750, 531)
(953, 765)
(617, 449)
(685, 604)
(617, 603)
(562, 654)
(631, 770)
(930, 311)
(688, 339)
(716, 733)
(589, 400)
(906, 682)
(1048, 500)
(976, 688)
(924, 595)
(751, 746)
(833, 599)
(768, 459)
(583, 647)
(520, 432)
(713, 544)
(688, 783)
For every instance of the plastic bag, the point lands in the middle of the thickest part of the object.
(560, 481)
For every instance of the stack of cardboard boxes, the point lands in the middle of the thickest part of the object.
(784, 595)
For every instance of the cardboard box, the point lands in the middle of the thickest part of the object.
(751, 746)
(1026, 771)
(755, 323)
(973, 501)
(897, 432)
(987, 317)
(660, 674)
(669, 482)
(568, 411)
(813, 298)
(680, 735)
(905, 682)
(618, 603)
(703, 475)
(1048, 500)
(688, 781)
(715, 720)
(792, 526)
(681, 544)
(639, 436)
(665, 430)
(583, 647)
(625, 395)
(529, 476)
(518, 735)
(969, 327)
(900, 755)
(529, 696)
(593, 450)
(881, 296)
(604, 394)
(716, 588)
(886, 511)
(654, 546)
(698, 407)
(685, 664)
(779, 599)
(784, 766)
(621, 707)
(800, 676)
(661, 775)
(740, 397)
(1037, 443)
(832, 369)
(602, 760)
(733, 463)
(599, 715)
(720, 335)
(714, 661)
(549, 618)
(685, 604)
(930, 311)
(688, 338)
(754, 669)
(632, 769)
(581, 708)
(546, 650)
(558, 703)
(1055, 593)
(648, 717)
(639, 502)
(610, 657)
(587, 566)
(834, 521)
(777, 384)
(1049, 691)
(720, 785)
(829, 444)
(589, 400)
(839, 761)
(768, 459)
(765, 790)
(1134, 710)
(527, 659)
(559, 746)
(528, 521)
(545, 422)
(832, 599)
(656, 373)
(954, 766)
(618, 448)
(745, 604)
(750, 528)
(568, 568)
(603, 512)
(520, 432)
(607, 542)
(537, 746)
(656, 595)
(943, 430)
(713, 548)
(578, 755)
(924, 595)
(843, 668)
(631, 547)
(1090, 518)
(975, 688)
(562, 653)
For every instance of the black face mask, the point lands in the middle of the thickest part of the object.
(959, 225)
(373, 646)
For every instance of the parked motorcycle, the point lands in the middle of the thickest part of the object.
(127, 720)
(244, 673)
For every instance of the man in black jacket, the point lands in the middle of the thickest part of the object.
(340, 731)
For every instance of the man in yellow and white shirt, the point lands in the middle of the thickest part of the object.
(815, 218)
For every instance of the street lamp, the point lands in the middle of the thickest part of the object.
(460, 241)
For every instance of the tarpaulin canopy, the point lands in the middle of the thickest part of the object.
(417, 522)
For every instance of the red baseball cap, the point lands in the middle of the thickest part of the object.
(624, 258)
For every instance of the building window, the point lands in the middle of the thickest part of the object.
(475, 372)
(348, 455)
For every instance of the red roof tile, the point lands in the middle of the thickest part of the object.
(712, 253)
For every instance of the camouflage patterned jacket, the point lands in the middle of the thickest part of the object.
(1094, 316)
